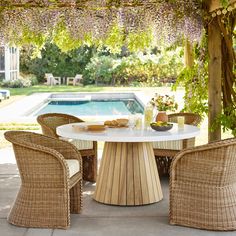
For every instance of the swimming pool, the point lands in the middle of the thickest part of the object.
(93, 108)
(92, 105)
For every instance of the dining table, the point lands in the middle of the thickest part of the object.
(128, 174)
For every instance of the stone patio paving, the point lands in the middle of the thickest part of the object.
(95, 219)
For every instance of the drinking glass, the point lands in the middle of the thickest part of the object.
(132, 121)
(139, 121)
(180, 122)
(148, 116)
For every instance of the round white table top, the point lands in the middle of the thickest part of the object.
(128, 134)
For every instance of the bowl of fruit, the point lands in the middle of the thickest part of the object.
(161, 126)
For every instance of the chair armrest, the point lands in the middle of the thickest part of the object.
(67, 150)
(41, 159)
(41, 166)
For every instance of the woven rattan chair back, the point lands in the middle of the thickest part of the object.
(47, 194)
(50, 121)
(189, 118)
(165, 151)
(202, 186)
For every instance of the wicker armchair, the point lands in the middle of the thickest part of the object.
(166, 150)
(51, 175)
(88, 149)
(202, 187)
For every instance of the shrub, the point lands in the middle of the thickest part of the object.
(22, 82)
(31, 77)
(100, 70)
(135, 69)
(18, 83)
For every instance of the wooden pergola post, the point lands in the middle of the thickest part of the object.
(214, 84)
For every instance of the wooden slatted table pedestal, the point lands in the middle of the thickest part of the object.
(128, 175)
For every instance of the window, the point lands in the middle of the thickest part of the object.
(2, 59)
(13, 63)
(2, 76)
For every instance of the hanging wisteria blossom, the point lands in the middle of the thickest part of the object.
(162, 19)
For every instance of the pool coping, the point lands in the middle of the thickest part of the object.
(20, 111)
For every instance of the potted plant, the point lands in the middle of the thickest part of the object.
(163, 103)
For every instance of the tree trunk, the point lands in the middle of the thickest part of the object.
(228, 62)
(214, 84)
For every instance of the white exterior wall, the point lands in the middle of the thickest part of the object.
(12, 63)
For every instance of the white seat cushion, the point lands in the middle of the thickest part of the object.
(80, 144)
(73, 165)
(174, 145)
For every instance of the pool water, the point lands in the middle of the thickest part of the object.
(93, 107)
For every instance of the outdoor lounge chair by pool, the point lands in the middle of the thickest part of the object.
(166, 150)
(51, 175)
(88, 149)
(202, 186)
(78, 79)
(74, 80)
(52, 80)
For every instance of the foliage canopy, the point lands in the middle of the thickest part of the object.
(71, 23)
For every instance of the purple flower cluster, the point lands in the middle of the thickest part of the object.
(168, 20)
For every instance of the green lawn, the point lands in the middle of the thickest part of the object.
(65, 88)
(45, 88)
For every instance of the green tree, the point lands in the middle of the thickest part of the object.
(53, 60)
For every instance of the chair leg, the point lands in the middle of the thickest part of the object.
(90, 168)
(76, 198)
(163, 164)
